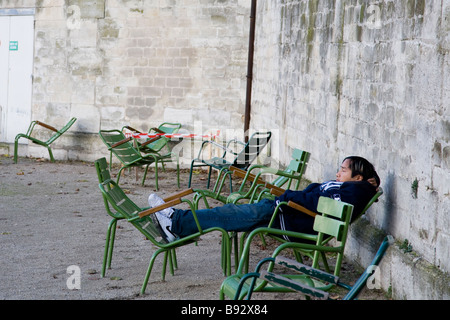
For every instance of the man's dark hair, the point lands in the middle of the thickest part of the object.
(361, 166)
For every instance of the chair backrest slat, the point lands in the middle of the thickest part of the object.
(125, 152)
(60, 132)
(294, 165)
(166, 127)
(329, 226)
(252, 149)
(114, 196)
(372, 201)
(335, 218)
(102, 170)
(331, 207)
(120, 202)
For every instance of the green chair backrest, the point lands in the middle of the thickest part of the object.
(60, 132)
(101, 167)
(372, 201)
(166, 127)
(295, 169)
(169, 127)
(125, 152)
(335, 217)
(329, 226)
(252, 149)
(117, 198)
(362, 281)
(302, 158)
(298, 165)
(334, 221)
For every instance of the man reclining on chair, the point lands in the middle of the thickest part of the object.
(356, 183)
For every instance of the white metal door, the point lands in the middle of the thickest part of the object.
(16, 67)
(4, 73)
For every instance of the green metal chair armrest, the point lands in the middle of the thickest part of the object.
(47, 126)
(131, 129)
(169, 202)
(121, 142)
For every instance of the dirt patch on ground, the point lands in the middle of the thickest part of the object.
(52, 220)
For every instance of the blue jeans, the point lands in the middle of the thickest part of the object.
(231, 217)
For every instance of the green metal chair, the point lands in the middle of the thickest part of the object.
(334, 221)
(253, 187)
(160, 145)
(307, 288)
(242, 159)
(55, 135)
(103, 175)
(128, 152)
(125, 209)
(156, 145)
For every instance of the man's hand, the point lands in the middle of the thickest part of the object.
(373, 182)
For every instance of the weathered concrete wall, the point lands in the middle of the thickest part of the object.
(137, 63)
(368, 78)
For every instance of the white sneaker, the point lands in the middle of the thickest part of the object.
(154, 200)
(165, 224)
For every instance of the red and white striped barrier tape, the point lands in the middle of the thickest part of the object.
(170, 135)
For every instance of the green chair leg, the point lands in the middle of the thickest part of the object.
(109, 246)
(50, 153)
(15, 148)
(150, 267)
(174, 258)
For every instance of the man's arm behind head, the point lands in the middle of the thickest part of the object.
(375, 181)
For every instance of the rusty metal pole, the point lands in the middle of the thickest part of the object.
(248, 98)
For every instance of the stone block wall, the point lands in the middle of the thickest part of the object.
(137, 63)
(367, 78)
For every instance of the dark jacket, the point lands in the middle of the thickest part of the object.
(357, 193)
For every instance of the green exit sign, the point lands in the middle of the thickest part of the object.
(13, 45)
